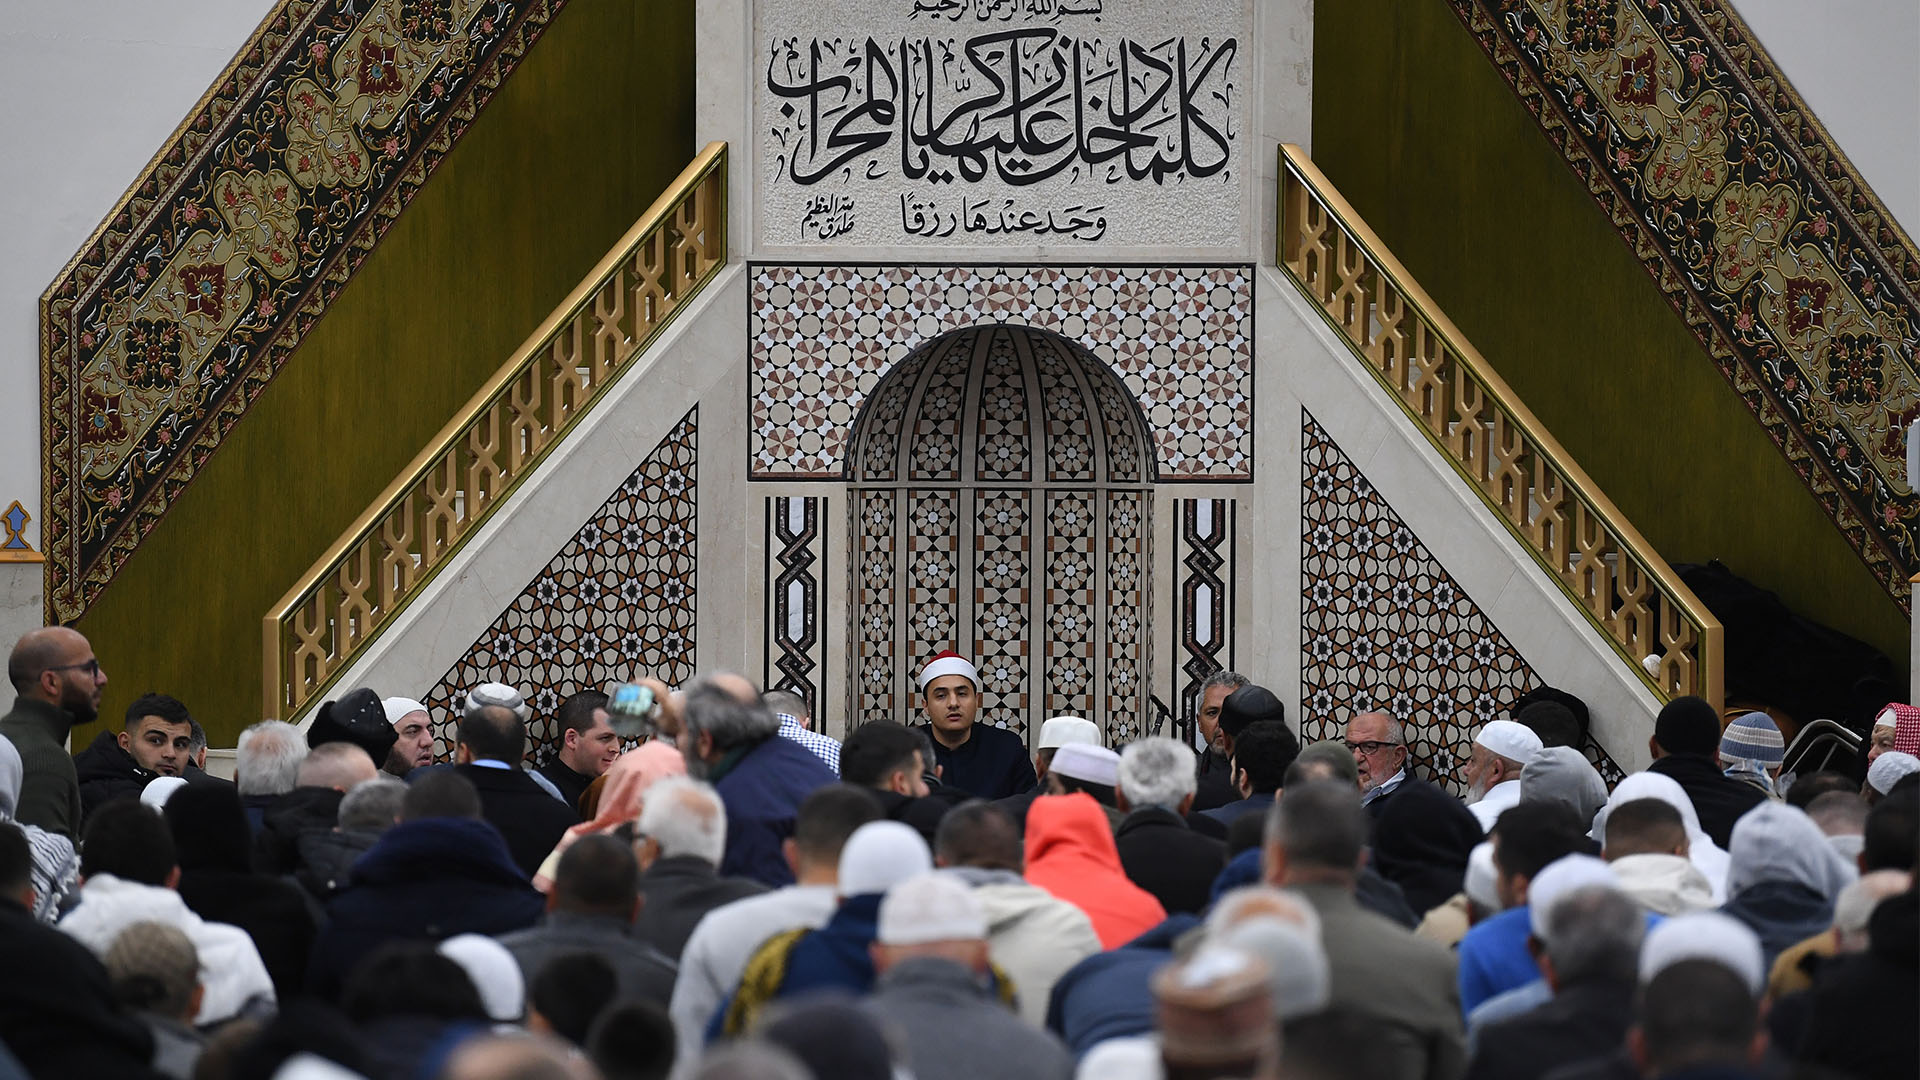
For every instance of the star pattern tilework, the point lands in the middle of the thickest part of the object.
(616, 602)
(1385, 627)
(1181, 338)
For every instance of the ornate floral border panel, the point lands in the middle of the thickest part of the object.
(167, 325)
(616, 601)
(796, 567)
(1795, 278)
(823, 336)
(1384, 626)
(1206, 556)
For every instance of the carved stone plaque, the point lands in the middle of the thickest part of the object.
(995, 123)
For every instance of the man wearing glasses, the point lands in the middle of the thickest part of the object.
(1380, 753)
(1422, 836)
(59, 681)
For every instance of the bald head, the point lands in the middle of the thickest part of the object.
(492, 733)
(336, 765)
(56, 664)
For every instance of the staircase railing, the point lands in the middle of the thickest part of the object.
(367, 577)
(1668, 637)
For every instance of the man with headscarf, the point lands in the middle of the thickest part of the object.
(1646, 844)
(1686, 749)
(1783, 877)
(1895, 727)
(1751, 751)
(1492, 771)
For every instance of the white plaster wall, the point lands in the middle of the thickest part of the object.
(1857, 64)
(95, 88)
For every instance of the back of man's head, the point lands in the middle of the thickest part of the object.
(569, 993)
(981, 835)
(1593, 934)
(1892, 833)
(1157, 772)
(1528, 838)
(1811, 786)
(878, 749)
(1839, 813)
(1553, 722)
(441, 793)
(597, 875)
(1688, 725)
(787, 703)
(633, 1040)
(824, 821)
(1264, 751)
(154, 968)
(685, 817)
(373, 805)
(129, 840)
(1643, 827)
(410, 978)
(266, 761)
(1695, 1013)
(336, 765)
(1318, 827)
(493, 733)
(16, 862)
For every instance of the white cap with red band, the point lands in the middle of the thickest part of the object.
(948, 663)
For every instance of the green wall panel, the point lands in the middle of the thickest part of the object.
(594, 124)
(1420, 132)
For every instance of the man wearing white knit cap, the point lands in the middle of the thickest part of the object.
(414, 729)
(1058, 732)
(878, 856)
(982, 760)
(1492, 771)
(937, 988)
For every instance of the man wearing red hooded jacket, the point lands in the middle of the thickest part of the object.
(1071, 854)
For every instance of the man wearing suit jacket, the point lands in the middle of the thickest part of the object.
(491, 741)
(1316, 840)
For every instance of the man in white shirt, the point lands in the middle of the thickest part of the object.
(1492, 772)
(716, 955)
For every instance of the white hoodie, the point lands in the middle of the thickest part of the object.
(1032, 935)
(230, 968)
(1664, 884)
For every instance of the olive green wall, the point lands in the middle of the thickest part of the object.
(1418, 130)
(594, 124)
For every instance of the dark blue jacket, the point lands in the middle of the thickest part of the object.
(1109, 995)
(762, 792)
(992, 764)
(838, 956)
(423, 881)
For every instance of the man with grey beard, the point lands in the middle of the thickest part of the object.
(732, 740)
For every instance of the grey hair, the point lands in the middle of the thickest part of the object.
(713, 710)
(685, 817)
(1232, 680)
(1157, 772)
(1320, 824)
(1396, 733)
(1594, 932)
(266, 761)
(787, 702)
(750, 1060)
(196, 738)
(1857, 901)
(373, 805)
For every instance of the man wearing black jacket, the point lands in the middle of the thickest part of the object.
(1214, 771)
(1686, 749)
(884, 758)
(152, 742)
(491, 742)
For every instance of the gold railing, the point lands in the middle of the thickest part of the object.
(1396, 330)
(343, 602)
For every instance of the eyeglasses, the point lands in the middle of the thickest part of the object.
(1368, 748)
(91, 667)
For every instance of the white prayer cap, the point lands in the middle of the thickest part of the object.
(1849, 845)
(1482, 877)
(880, 855)
(1061, 730)
(948, 663)
(930, 906)
(160, 789)
(1297, 971)
(1704, 935)
(493, 693)
(1509, 740)
(1560, 877)
(495, 973)
(1888, 768)
(1092, 764)
(1887, 718)
(399, 708)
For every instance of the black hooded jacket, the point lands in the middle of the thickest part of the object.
(107, 772)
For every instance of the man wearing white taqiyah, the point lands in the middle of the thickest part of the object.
(413, 729)
(1492, 772)
(982, 760)
(1056, 734)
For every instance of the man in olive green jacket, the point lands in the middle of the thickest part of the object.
(59, 682)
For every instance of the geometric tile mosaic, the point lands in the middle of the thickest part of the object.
(796, 567)
(616, 602)
(1385, 627)
(822, 337)
(1204, 552)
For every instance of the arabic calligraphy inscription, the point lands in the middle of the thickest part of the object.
(995, 121)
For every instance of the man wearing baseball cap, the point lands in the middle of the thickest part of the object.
(979, 759)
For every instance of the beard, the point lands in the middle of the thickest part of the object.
(78, 704)
(697, 767)
(1477, 790)
(398, 763)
